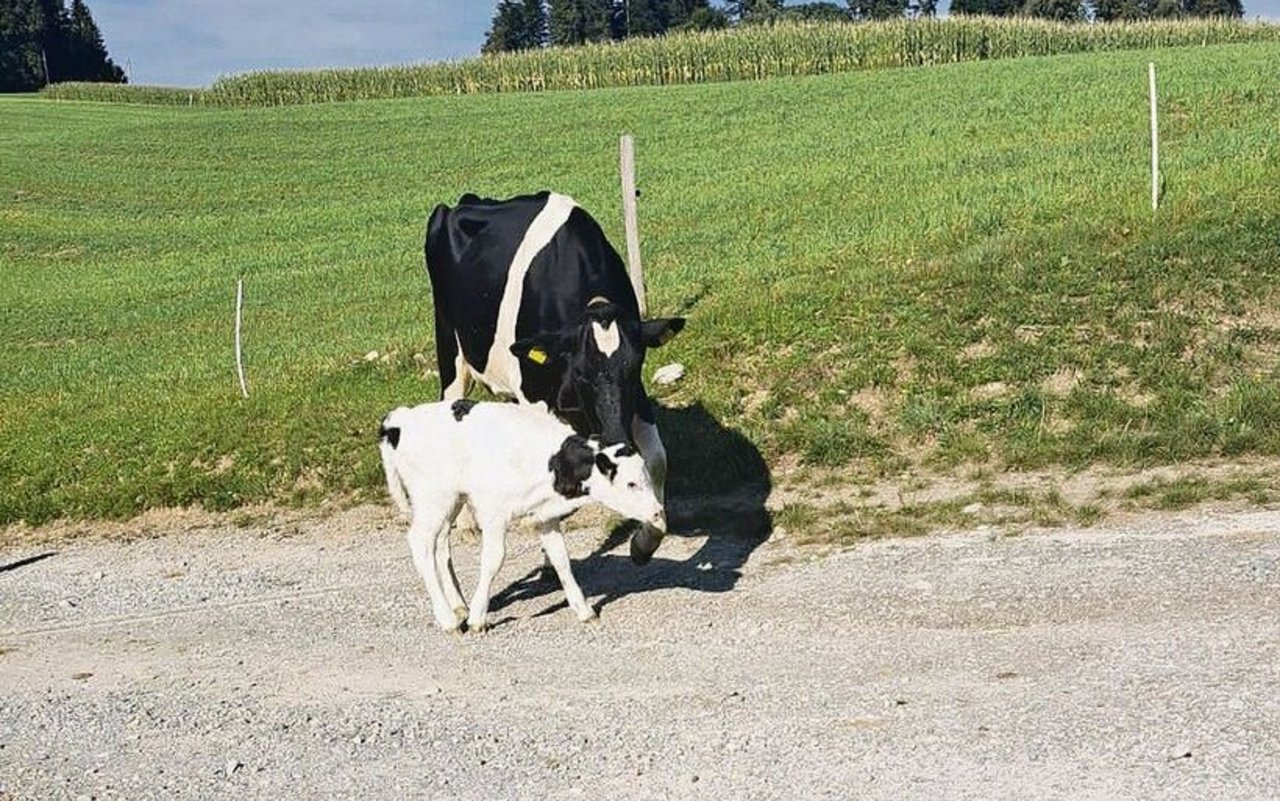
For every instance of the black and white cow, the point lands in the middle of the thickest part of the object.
(532, 301)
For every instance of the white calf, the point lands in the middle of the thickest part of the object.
(505, 461)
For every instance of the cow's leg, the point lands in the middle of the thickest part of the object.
(455, 373)
(493, 549)
(428, 523)
(644, 430)
(558, 555)
(445, 573)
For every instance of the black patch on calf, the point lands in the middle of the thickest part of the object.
(461, 408)
(607, 466)
(571, 466)
(391, 435)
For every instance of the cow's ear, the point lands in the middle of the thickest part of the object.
(655, 333)
(542, 349)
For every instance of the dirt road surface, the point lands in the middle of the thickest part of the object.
(1136, 660)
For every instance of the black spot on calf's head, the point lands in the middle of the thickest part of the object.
(391, 435)
(571, 466)
(461, 408)
(608, 467)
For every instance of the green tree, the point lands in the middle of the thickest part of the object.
(877, 9)
(517, 25)
(993, 8)
(21, 67)
(679, 13)
(922, 8)
(573, 22)
(1108, 10)
(42, 42)
(640, 18)
(1213, 8)
(86, 53)
(705, 18)
(754, 10)
(1063, 10)
(821, 12)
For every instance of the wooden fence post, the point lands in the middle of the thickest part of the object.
(628, 169)
(1155, 141)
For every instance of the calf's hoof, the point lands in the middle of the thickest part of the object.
(477, 626)
(588, 615)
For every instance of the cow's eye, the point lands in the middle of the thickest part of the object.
(632, 485)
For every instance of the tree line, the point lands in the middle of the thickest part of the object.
(527, 24)
(44, 41)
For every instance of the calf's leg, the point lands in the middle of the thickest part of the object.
(493, 549)
(424, 533)
(445, 573)
(558, 555)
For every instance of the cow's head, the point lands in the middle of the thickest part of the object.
(597, 364)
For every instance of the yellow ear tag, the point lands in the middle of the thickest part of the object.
(537, 356)
(666, 336)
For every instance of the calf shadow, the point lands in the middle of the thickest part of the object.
(717, 486)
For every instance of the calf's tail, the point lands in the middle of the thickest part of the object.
(388, 440)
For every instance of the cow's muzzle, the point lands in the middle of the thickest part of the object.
(644, 542)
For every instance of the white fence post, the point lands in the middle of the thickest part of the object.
(244, 390)
(628, 169)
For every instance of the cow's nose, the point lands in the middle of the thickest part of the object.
(659, 521)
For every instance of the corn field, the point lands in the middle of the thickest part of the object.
(742, 54)
(126, 93)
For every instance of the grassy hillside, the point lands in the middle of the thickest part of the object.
(932, 266)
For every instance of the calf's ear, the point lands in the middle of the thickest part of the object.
(658, 332)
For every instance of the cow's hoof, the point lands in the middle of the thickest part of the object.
(478, 626)
(588, 615)
(459, 615)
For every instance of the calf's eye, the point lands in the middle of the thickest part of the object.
(632, 485)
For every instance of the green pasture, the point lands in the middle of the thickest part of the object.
(924, 268)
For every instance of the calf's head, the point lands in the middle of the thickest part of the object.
(597, 363)
(613, 475)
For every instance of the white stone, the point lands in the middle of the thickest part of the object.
(668, 373)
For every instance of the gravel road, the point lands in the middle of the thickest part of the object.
(1138, 660)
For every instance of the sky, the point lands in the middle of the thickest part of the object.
(192, 42)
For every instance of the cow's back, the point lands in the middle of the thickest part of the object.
(471, 250)
(577, 266)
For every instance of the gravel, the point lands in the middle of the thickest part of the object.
(1139, 660)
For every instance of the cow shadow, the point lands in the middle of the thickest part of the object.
(717, 486)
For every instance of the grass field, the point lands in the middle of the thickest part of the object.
(932, 267)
